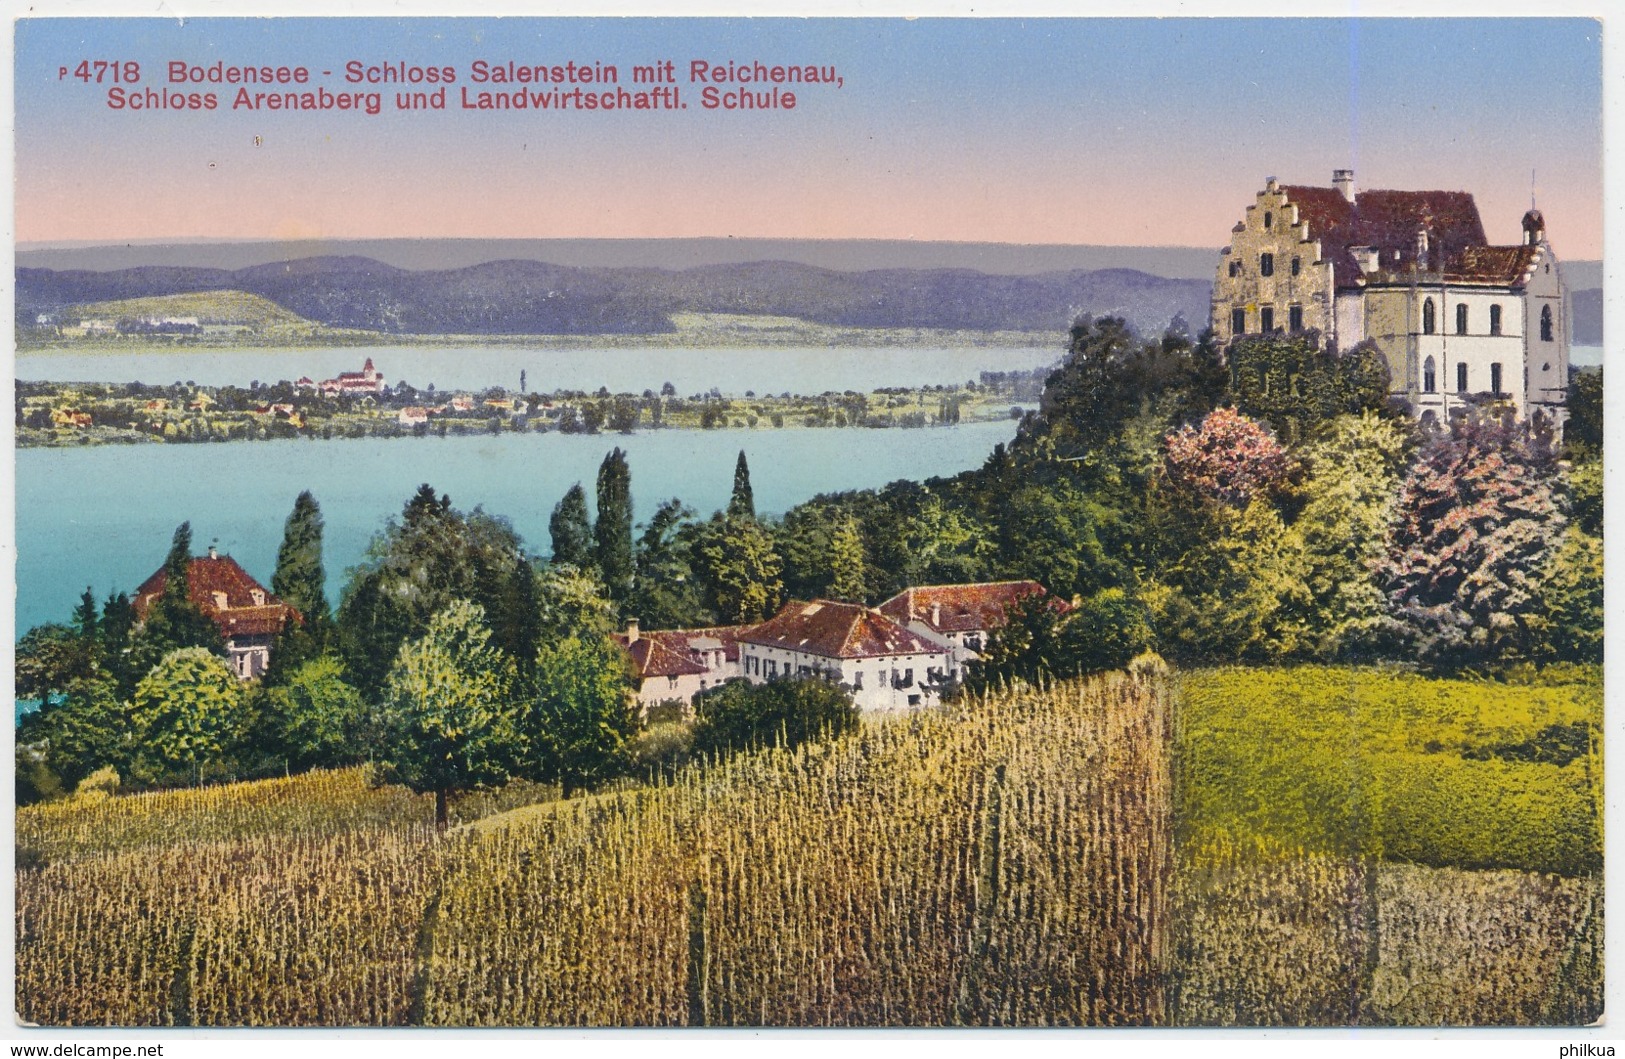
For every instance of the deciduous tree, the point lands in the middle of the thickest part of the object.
(447, 721)
(581, 718)
(738, 715)
(187, 712)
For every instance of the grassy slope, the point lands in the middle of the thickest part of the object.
(212, 308)
(1412, 768)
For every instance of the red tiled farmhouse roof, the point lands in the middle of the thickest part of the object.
(837, 630)
(963, 608)
(669, 652)
(205, 576)
(657, 658)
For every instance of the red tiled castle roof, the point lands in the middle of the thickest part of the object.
(1389, 220)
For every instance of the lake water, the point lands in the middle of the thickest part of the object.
(103, 516)
(804, 370)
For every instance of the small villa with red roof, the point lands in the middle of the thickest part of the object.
(248, 617)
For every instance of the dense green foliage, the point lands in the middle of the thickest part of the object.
(742, 501)
(186, 712)
(1291, 384)
(787, 712)
(1449, 773)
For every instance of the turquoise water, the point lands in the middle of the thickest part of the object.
(103, 516)
(732, 370)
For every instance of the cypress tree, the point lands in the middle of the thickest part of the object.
(300, 578)
(613, 531)
(571, 532)
(84, 616)
(742, 504)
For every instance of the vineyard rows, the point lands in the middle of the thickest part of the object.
(1010, 861)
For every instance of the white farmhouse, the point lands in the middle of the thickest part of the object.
(887, 666)
(1459, 321)
(674, 665)
(961, 617)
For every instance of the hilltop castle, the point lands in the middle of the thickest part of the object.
(1459, 321)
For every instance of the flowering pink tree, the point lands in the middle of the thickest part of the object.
(1228, 458)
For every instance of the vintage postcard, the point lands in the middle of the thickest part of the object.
(820, 522)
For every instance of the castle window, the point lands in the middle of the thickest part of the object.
(1495, 319)
(1294, 318)
(1428, 323)
(1266, 264)
(1430, 380)
(1546, 323)
(1297, 264)
(1238, 321)
(1269, 219)
(1266, 320)
(1235, 269)
(1461, 318)
(1495, 379)
(1461, 378)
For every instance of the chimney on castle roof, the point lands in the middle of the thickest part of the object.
(1343, 181)
(631, 630)
(214, 553)
(1422, 249)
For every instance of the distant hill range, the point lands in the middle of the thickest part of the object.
(529, 297)
(632, 286)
